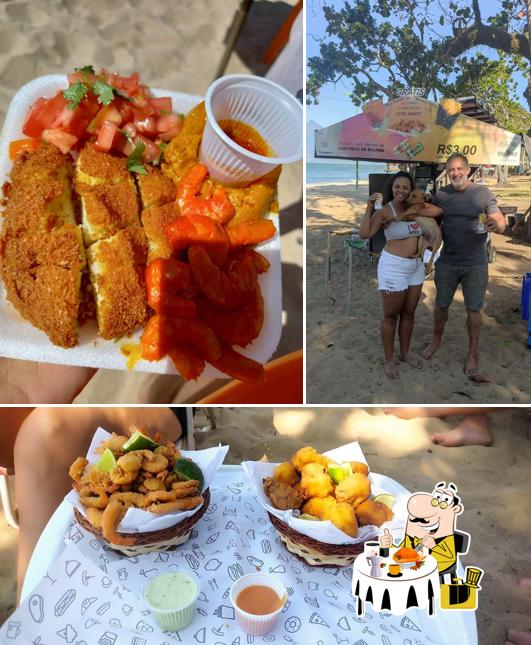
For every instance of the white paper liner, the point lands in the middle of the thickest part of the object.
(137, 520)
(325, 531)
(19, 339)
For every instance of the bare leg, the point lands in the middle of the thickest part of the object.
(392, 305)
(440, 316)
(473, 323)
(406, 324)
(472, 431)
(49, 440)
(516, 637)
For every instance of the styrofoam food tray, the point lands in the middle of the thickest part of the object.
(19, 339)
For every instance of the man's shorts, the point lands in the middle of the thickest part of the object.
(398, 274)
(473, 282)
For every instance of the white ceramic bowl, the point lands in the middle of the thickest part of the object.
(262, 104)
(258, 624)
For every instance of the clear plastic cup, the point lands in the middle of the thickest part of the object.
(267, 107)
(172, 617)
(258, 624)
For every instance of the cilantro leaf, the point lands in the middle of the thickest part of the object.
(122, 95)
(104, 92)
(134, 160)
(88, 69)
(75, 94)
(163, 146)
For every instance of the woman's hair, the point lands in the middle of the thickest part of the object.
(388, 190)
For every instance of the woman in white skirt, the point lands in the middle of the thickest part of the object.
(400, 275)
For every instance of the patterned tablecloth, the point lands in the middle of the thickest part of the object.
(89, 595)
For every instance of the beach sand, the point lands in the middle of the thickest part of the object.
(492, 482)
(343, 352)
(177, 46)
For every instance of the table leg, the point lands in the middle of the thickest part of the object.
(360, 609)
(431, 604)
(328, 268)
(349, 279)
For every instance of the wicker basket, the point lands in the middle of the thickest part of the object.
(314, 552)
(162, 540)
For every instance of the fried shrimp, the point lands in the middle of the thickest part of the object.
(131, 461)
(115, 444)
(154, 462)
(121, 476)
(77, 469)
(110, 520)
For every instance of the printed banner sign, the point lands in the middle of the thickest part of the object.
(411, 128)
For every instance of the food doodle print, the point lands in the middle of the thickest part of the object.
(93, 596)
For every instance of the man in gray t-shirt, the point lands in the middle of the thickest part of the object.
(463, 258)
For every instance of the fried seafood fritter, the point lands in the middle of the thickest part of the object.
(286, 474)
(317, 505)
(308, 455)
(315, 481)
(343, 516)
(371, 512)
(353, 489)
(281, 495)
(359, 467)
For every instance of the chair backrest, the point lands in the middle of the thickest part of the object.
(185, 414)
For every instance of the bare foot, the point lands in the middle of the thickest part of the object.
(391, 369)
(516, 637)
(471, 363)
(472, 431)
(430, 350)
(525, 583)
(408, 413)
(412, 359)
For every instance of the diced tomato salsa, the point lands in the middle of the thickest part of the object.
(116, 112)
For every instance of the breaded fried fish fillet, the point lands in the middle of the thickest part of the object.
(108, 196)
(39, 197)
(42, 276)
(155, 221)
(117, 267)
(155, 188)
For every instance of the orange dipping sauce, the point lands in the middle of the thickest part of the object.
(246, 137)
(258, 600)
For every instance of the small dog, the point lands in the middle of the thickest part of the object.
(431, 233)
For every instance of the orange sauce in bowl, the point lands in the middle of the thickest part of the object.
(258, 600)
(246, 136)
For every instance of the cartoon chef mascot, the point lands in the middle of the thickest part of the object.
(431, 526)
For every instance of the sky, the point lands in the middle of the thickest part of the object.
(334, 104)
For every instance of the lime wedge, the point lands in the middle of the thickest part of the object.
(387, 499)
(187, 469)
(139, 441)
(307, 516)
(338, 472)
(106, 462)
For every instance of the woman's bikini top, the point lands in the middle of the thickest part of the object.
(401, 230)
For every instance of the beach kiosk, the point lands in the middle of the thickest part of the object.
(422, 133)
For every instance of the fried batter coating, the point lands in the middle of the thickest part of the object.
(129, 499)
(317, 505)
(359, 467)
(281, 495)
(130, 461)
(110, 520)
(94, 501)
(94, 516)
(77, 469)
(343, 516)
(315, 481)
(182, 504)
(154, 462)
(353, 489)
(115, 444)
(286, 474)
(155, 188)
(308, 455)
(371, 512)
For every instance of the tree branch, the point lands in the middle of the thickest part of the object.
(465, 39)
